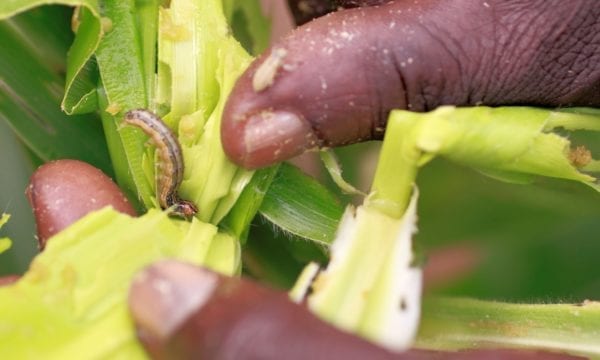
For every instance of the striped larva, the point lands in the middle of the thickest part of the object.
(265, 74)
(169, 165)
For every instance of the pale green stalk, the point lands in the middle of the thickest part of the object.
(459, 323)
(370, 286)
(397, 167)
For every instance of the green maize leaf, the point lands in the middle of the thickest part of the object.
(507, 140)
(586, 119)
(313, 215)
(72, 301)
(191, 33)
(82, 70)
(118, 155)
(147, 23)
(10, 8)
(458, 323)
(239, 218)
(119, 57)
(31, 89)
(334, 168)
(79, 96)
(508, 143)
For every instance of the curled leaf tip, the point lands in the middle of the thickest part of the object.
(334, 169)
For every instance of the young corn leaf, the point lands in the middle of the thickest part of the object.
(147, 23)
(82, 69)
(119, 57)
(300, 205)
(512, 142)
(331, 162)
(239, 218)
(73, 299)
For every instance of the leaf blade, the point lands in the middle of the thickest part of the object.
(300, 205)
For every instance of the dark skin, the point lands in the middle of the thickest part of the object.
(340, 77)
(344, 72)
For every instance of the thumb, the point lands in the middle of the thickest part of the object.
(334, 81)
(186, 312)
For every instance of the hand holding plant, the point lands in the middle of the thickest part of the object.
(332, 82)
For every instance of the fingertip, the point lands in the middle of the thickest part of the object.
(164, 295)
(61, 192)
(313, 82)
(267, 137)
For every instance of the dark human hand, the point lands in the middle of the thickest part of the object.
(334, 80)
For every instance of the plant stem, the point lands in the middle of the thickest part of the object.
(397, 167)
(459, 323)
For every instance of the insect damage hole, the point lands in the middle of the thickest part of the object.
(265, 74)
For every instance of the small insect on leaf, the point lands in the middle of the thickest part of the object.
(169, 162)
(265, 74)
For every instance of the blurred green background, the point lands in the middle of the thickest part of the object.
(16, 169)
